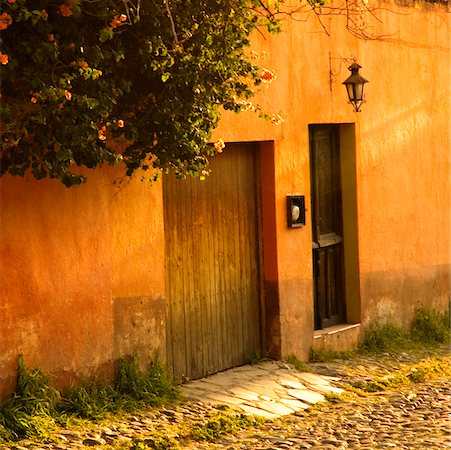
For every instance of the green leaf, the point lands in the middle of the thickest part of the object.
(106, 34)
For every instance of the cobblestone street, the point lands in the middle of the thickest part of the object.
(413, 415)
(416, 419)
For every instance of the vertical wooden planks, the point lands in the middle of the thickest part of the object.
(213, 266)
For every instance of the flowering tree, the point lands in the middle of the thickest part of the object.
(78, 76)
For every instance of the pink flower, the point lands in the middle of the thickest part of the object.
(120, 123)
(68, 95)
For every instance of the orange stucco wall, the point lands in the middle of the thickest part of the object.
(83, 268)
(402, 159)
(82, 275)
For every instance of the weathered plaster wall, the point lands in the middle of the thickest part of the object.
(405, 173)
(83, 268)
(402, 160)
(82, 275)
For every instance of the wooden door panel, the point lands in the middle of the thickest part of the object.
(213, 266)
(327, 226)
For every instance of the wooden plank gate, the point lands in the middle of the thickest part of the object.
(213, 292)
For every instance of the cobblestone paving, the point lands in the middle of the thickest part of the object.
(414, 419)
(417, 417)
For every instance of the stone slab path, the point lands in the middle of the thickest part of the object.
(417, 419)
(269, 389)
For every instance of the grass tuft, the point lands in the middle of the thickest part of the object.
(155, 442)
(30, 409)
(428, 328)
(387, 337)
(222, 424)
(90, 400)
(154, 387)
(132, 389)
(431, 327)
(298, 364)
(407, 375)
(36, 407)
(327, 355)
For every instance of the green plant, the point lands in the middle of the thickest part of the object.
(407, 374)
(256, 357)
(90, 400)
(222, 424)
(429, 326)
(327, 355)
(379, 385)
(36, 407)
(298, 364)
(153, 387)
(332, 397)
(30, 409)
(386, 337)
(137, 83)
(155, 442)
(133, 388)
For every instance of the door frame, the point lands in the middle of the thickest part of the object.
(347, 163)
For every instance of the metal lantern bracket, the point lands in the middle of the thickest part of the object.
(335, 71)
(355, 83)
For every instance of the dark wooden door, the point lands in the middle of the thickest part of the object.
(327, 226)
(213, 292)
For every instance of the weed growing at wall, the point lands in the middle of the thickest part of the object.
(35, 408)
(153, 387)
(329, 355)
(31, 408)
(431, 327)
(298, 364)
(428, 328)
(387, 337)
(91, 400)
(132, 389)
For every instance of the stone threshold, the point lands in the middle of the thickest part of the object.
(339, 337)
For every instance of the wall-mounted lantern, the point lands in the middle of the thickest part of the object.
(295, 211)
(355, 85)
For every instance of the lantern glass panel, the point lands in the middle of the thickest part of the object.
(359, 91)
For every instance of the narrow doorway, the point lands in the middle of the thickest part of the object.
(327, 226)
